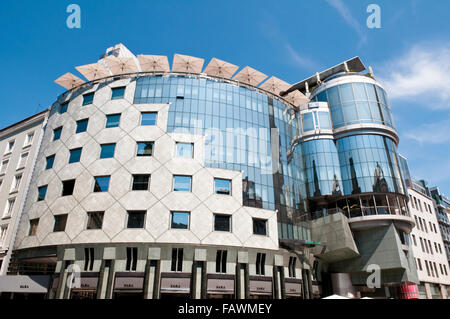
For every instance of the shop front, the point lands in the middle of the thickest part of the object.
(260, 287)
(175, 285)
(25, 287)
(220, 286)
(129, 285)
(87, 288)
(293, 288)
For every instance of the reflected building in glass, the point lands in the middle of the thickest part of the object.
(206, 180)
(346, 145)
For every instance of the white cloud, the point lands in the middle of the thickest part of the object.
(432, 133)
(421, 74)
(301, 61)
(345, 13)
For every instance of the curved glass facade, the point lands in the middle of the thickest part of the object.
(357, 103)
(369, 164)
(321, 166)
(237, 122)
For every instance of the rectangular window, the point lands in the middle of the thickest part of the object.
(419, 263)
(118, 93)
(185, 150)
(88, 259)
(4, 167)
(221, 261)
(222, 186)
(101, 184)
(140, 182)
(292, 263)
(41, 193)
(95, 220)
(414, 240)
(107, 150)
(145, 148)
(9, 208)
(132, 257)
(16, 183)
(50, 161)
(68, 187)
(9, 147)
(88, 98)
(148, 118)
(22, 161)
(136, 219)
(260, 226)
(260, 264)
(75, 155)
(112, 120)
(222, 222)
(63, 107)
(28, 139)
(57, 133)
(177, 259)
(180, 220)
(33, 227)
(182, 183)
(60, 223)
(82, 126)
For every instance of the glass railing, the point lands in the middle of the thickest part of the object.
(357, 211)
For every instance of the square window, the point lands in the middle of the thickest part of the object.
(222, 222)
(222, 186)
(118, 93)
(107, 150)
(112, 120)
(140, 182)
(75, 155)
(95, 220)
(41, 193)
(82, 126)
(180, 220)
(50, 161)
(260, 226)
(57, 133)
(182, 183)
(145, 148)
(60, 223)
(185, 150)
(68, 187)
(33, 227)
(148, 118)
(63, 108)
(101, 184)
(88, 98)
(136, 219)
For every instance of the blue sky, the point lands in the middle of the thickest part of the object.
(410, 54)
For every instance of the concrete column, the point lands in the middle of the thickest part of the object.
(197, 270)
(443, 289)
(102, 279)
(157, 280)
(428, 290)
(110, 281)
(61, 281)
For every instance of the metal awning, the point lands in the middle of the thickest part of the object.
(353, 65)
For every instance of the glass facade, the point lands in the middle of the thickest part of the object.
(356, 103)
(239, 124)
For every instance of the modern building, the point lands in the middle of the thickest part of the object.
(443, 216)
(18, 148)
(159, 182)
